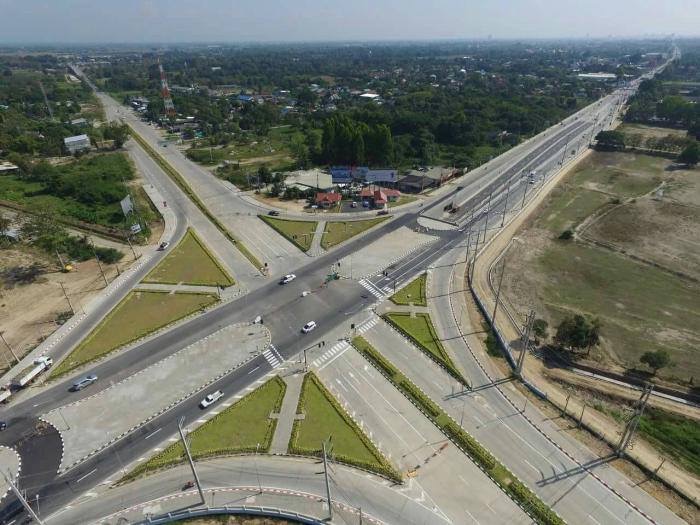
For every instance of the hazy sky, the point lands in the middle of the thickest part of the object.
(60, 21)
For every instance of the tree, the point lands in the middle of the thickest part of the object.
(577, 332)
(539, 328)
(611, 140)
(656, 360)
(116, 132)
(690, 156)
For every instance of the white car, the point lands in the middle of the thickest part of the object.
(211, 399)
(308, 327)
(288, 278)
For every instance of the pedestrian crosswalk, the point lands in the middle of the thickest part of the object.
(273, 356)
(333, 352)
(373, 289)
(367, 325)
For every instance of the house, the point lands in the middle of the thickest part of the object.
(79, 122)
(77, 143)
(327, 200)
(379, 197)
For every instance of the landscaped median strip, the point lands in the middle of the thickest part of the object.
(340, 231)
(182, 184)
(299, 233)
(498, 472)
(243, 427)
(190, 262)
(413, 292)
(139, 314)
(420, 331)
(324, 418)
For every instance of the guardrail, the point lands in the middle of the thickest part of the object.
(243, 510)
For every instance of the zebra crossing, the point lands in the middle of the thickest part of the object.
(367, 325)
(329, 355)
(373, 289)
(272, 356)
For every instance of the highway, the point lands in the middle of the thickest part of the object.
(284, 312)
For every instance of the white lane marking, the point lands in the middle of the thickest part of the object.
(153, 433)
(253, 370)
(86, 475)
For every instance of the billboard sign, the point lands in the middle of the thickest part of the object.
(127, 205)
(341, 175)
(135, 228)
(384, 175)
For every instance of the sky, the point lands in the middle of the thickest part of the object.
(172, 21)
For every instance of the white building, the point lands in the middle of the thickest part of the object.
(77, 143)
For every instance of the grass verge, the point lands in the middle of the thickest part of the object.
(299, 233)
(506, 480)
(137, 315)
(325, 419)
(225, 434)
(190, 262)
(182, 184)
(337, 232)
(676, 436)
(414, 292)
(421, 332)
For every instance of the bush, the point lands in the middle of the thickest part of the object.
(566, 235)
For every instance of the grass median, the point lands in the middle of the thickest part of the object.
(243, 427)
(190, 262)
(325, 419)
(299, 233)
(414, 293)
(421, 332)
(505, 479)
(337, 232)
(137, 315)
(182, 184)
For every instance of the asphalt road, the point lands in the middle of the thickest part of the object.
(283, 311)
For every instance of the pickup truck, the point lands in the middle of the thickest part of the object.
(31, 372)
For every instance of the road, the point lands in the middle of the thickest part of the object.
(284, 312)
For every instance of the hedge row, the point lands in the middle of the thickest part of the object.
(447, 364)
(381, 466)
(527, 499)
(182, 184)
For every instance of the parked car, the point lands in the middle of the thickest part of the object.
(383, 212)
(83, 382)
(163, 246)
(211, 399)
(3, 426)
(273, 213)
(288, 278)
(353, 204)
(308, 327)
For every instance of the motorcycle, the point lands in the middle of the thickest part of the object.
(188, 485)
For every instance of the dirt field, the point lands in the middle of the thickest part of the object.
(652, 131)
(642, 307)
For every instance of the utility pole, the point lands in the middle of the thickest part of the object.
(631, 427)
(189, 458)
(99, 264)
(60, 261)
(63, 289)
(128, 239)
(2, 336)
(488, 211)
(505, 206)
(328, 486)
(525, 341)
(21, 498)
(522, 204)
(498, 292)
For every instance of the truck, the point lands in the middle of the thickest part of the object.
(30, 373)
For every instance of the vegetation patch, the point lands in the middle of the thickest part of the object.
(414, 292)
(520, 493)
(182, 184)
(421, 332)
(675, 436)
(324, 419)
(137, 315)
(299, 233)
(245, 426)
(337, 232)
(190, 262)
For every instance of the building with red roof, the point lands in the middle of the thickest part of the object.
(327, 200)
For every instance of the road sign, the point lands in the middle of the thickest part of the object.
(135, 228)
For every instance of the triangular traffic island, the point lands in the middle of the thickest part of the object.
(324, 420)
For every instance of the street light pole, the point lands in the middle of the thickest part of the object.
(328, 486)
(189, 458)
(21, 498)
(2, 336)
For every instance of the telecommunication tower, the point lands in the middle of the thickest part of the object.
(165, 92)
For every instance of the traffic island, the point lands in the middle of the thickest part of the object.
(338, 232)
(412, 293)
(324, 420)
(299, 233)
(499, 473)
(137, 315)
(224, 435)
(419, 329)
(190, 262)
